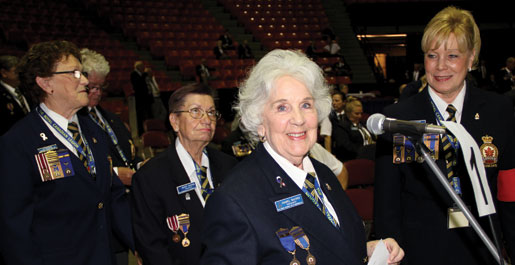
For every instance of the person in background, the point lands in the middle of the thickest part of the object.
(122, 151)
(13, 104)
(263, 205)
(244, 51)
(60, 202)
(219, 51)
(204, 72)
(142, 94)
(504, 79)
(170, 191)
(410, 204)
(226, 40)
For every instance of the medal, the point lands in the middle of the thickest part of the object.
(303, 242)
(173, 224)
(184, 225)
(288, 244)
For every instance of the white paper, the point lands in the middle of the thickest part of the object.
(380, 254)
(475, 167)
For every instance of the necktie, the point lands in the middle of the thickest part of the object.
(94, 115)
(20, 99)
(204, 183)
(446, 142)
(74, 129)
(313, 195)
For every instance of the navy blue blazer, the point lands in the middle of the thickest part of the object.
(155, 197)
(64, 221)
(241, 219)
(10, 110)
(410, 204)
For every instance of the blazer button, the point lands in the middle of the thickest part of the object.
(100, 205)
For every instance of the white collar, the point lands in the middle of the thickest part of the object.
(441, 105)
(296, 174)
(187, 160)
(58, 118)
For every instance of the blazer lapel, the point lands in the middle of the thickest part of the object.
(307, 215)
(180, 178)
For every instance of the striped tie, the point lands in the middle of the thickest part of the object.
(450, 158)
(74, 129)
(204, 183)
(20, 98)
(309, 185)
(94, 115)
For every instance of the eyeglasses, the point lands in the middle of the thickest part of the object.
(76, 73)
(97, 87)
(198, 113)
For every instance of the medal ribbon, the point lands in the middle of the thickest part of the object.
(300, 237)
(184, 222)
(173, 223)
(105, 125)
(63, 133)
(286, 239)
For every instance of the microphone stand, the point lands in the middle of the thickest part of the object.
(422, 149)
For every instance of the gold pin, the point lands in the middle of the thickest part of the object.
(328, 187)
(476, 117)
(94, 140)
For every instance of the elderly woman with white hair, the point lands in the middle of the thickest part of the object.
(279, 206)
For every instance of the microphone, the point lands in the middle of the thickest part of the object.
(378, 124)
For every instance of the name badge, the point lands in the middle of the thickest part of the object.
(288, 203)
(186, 187)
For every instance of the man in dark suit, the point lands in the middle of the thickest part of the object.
(204, 72)
(504, 79)
(168, 193)
(142, 94)
(13, 104)
(59, 201)
(122, 150)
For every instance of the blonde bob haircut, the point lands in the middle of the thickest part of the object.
(457, 21)
(255, 90)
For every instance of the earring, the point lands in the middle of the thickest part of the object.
(470, 69)
(262, 138)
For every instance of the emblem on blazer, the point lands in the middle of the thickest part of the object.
(94, 140)
(43, 136)
(173, 224)
(328, 186)
(53, 164)
(476, 117)
(10, 107)
(489, 151)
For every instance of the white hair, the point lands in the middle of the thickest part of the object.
(255, 90)
(93, 61)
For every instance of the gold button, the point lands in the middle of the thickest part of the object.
(100, 205)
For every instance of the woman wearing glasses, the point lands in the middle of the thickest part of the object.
(58, 197)
(170, 191)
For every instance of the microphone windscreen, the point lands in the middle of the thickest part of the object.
(375, 123)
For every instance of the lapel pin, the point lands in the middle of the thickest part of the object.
(328, 187)
(187, 196)
(280, 181)
(43, 136)
(94, 140)
(476, 117)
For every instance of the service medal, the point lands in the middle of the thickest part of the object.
(184, 225)
(302, 240)
(288, 243)
(173, 224)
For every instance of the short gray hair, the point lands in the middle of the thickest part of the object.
(255, 90)
(93, 61)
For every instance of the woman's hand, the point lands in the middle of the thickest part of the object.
(396, 252)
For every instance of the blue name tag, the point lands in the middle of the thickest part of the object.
(186, 187)
(288, 203)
